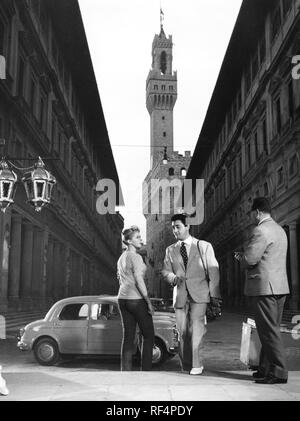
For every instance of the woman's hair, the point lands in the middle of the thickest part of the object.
(128, 233)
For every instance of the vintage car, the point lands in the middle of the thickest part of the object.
(90, 325)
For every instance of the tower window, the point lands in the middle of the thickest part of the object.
(183, 172)
(171, 88)
(163, 62)
(171, 171)
(164, 134)
(155, 87)
(163, 87)
(163, 117)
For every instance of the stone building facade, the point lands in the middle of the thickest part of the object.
(161, 93)
(249, 144)
(45, 110)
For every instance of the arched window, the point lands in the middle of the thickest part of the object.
(183, 172)
(163, 62)
(171, 171)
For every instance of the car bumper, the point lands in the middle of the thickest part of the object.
(23, 346)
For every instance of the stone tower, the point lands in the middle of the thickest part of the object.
(161, 94)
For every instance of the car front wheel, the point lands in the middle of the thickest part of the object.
(46, 351)
(160, 353)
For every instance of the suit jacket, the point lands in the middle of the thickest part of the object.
(265, 260)
(196, 283)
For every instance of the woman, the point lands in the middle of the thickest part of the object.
(134, 303)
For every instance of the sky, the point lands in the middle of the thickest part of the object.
(120, 35)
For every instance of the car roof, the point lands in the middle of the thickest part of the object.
(89, 298)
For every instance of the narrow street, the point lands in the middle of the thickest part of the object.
(225, 378)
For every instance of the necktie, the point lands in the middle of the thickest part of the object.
(184, 254)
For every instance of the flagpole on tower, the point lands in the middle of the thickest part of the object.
(161, 16)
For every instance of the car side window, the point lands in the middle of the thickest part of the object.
(78, 311)
(100, 311)
(114, 312)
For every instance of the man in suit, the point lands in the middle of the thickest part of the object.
(183, 269)
(266, 281)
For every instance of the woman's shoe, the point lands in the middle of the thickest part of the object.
(3, 389)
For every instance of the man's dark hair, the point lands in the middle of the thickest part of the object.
(262, 204)
(179, 217)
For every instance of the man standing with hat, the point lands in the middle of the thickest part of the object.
(266, 281)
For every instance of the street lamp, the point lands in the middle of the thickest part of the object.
(8, 181)
(38, 185)
(38, 182)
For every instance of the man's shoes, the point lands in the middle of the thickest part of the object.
(271, 380)
(3, 389)
(196, 371)
(258, 375)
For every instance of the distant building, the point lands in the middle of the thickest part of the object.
(50, 106)
(161, 98)
(249, 144)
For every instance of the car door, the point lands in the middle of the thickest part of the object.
(71, 328)
(105, 329)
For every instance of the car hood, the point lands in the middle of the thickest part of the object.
(164, 317)
(35, 325)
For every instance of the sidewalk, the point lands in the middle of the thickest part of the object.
(225, 378)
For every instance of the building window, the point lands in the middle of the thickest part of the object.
(2, 37)
(21, 72)
(275, 21)
(32, 95)
(280, 176)
(254, 65)
(248, 153)
(248, 80)
(266, 189)
(278, 115)
(43, 111)
(164, 134)
(163, 117)
(170, 88)
(163, 87)
(291, 99)
(286, 6)
(156, 87)
(256, 145)
(171, 171)
(163, 62)
(293, 166)
(265, 135)
(183, 172)
(262, 49)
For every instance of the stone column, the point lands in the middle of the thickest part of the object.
(26, 264)
(294, 259)
(4, 259)
(15, 258)
(39, 262)
(50, 271)
(56, 269)
(67, 262)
